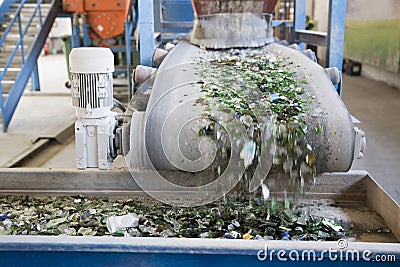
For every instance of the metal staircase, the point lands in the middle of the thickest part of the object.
(24, 27)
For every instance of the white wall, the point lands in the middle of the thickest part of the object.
(373, 10)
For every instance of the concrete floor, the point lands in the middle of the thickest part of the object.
(39, 117)
(375, 104)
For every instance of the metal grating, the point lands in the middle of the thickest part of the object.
(94, 89)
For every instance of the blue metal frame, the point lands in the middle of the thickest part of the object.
(147, 251)
(157, 15)
(35, 79)
(128, 49)
(335, 42)
(29, 63)
(146, 35)
(75, 37)
(299, 18)
(177, 16)
(5, 8)
(161, 16)
(86, 39)
(335, 36)
(176, 12)
(129, 27)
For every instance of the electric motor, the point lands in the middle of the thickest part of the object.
(92, 84)
(92, 95)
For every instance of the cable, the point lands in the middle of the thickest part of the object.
(119, 105)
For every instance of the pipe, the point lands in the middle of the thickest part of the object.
(143, 73)
(158, 56)
(169, 46)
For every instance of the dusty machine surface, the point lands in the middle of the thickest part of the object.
(227, 24)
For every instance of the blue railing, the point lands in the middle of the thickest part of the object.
(17, 17)
(5, 8)
(29, 62)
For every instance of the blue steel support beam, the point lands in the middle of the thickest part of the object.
(157, 15)
(86, 38)
(40, 13)
(146, 36)
(35, 79)
(76, 37)
(335, 44)
(128, 50)
(18, 88)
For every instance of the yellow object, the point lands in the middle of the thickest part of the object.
(247, 236)
(310, 25)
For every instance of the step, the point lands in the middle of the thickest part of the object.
(5, 52)
(10, 69)
(24, 19)
(17, 61)
(30, 6)
(12, 39)
(6, 86)
(28, 13)
(15, 37)
(7, 49)
(15, 28)
(33, 28)
(26, 16)
(11, 74)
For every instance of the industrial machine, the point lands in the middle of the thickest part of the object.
(169, 130)
(103, 20)
(92, 92)
(161, 137)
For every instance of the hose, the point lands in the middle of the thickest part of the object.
(119, 105)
